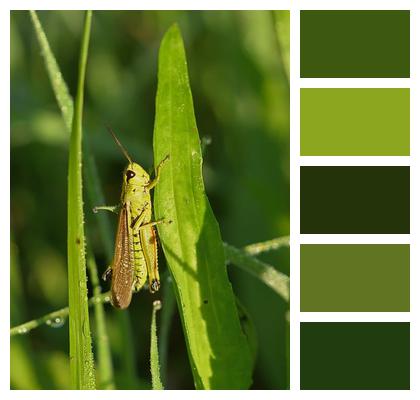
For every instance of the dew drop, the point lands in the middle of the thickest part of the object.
(57, 322)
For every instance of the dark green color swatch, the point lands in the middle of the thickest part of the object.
(355, 277)
(355, 122)
(355, 199)
(355, 355)
(355, 44)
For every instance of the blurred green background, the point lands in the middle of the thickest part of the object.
(241, 98)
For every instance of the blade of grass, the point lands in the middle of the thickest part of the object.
(262, 247)
(276, 280)
(51, 317)
(218, 349)
(154, 352)
(65, 103)
(81, 356)
(58, 84)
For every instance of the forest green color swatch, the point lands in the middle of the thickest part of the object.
(355, 199)
(355, 355)
(355, 277)
(355, 122)
(355, 44)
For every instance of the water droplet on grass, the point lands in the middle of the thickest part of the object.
(57, 322)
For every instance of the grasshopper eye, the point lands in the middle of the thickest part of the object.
(129, 174)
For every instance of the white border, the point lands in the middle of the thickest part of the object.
(354, 161)
(296, 161)
(354, 83)
(355, 317)
(354, 239)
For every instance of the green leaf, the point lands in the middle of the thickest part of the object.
(154, 352)
(219, 352)
(81, 357)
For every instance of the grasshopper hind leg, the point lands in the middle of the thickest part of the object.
(140, 277)
(155, 286)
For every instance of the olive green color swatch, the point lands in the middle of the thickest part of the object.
(355, 355)
(355, 122)
(355, 199)
(354, 277)
(355, 44)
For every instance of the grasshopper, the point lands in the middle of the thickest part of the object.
(135, 253)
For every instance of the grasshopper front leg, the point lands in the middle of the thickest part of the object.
(114, 209)
(154, 182)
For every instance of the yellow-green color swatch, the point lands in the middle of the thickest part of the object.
(355, 122)
(355, 277)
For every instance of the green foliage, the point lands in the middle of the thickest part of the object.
(219, 353)
(241, 103)
(81, 357)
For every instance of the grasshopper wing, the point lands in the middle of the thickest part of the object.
(123, 262)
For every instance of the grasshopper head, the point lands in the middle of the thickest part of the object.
(135, 175)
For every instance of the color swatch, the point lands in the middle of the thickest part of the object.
(355, 199)
(355, 122)
(355, 277)
(355, 355)
(355, 44)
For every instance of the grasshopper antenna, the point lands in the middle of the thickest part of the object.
(125, 152)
